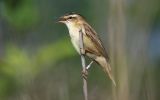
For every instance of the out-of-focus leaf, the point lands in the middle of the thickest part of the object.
(19, 63)
(55, 52)
(23, 16)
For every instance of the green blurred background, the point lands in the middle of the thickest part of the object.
(38, 61)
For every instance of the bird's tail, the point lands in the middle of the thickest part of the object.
(106, 67)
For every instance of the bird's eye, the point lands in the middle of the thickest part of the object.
(70, 18)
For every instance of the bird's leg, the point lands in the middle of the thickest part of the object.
(85, 72)
(89, 65)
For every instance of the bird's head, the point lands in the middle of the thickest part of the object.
(71, 18)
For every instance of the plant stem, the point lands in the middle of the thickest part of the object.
(85, 91)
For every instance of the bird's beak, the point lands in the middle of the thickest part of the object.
(61, 20)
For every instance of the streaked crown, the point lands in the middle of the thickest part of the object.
(70, 17)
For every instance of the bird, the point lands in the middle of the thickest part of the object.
(93, 47)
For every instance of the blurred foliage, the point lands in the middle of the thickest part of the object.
(21, 66)
(21, 14)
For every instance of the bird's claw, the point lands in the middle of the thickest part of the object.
(85, 74)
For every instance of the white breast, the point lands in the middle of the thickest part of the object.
(74, 34)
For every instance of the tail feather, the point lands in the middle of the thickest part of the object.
(106, 67)
(108, 71)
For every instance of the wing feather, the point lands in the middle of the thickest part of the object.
(90, 32)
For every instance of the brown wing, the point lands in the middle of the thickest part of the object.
(90, 32)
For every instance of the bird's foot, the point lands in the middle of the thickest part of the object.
(85, 74)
